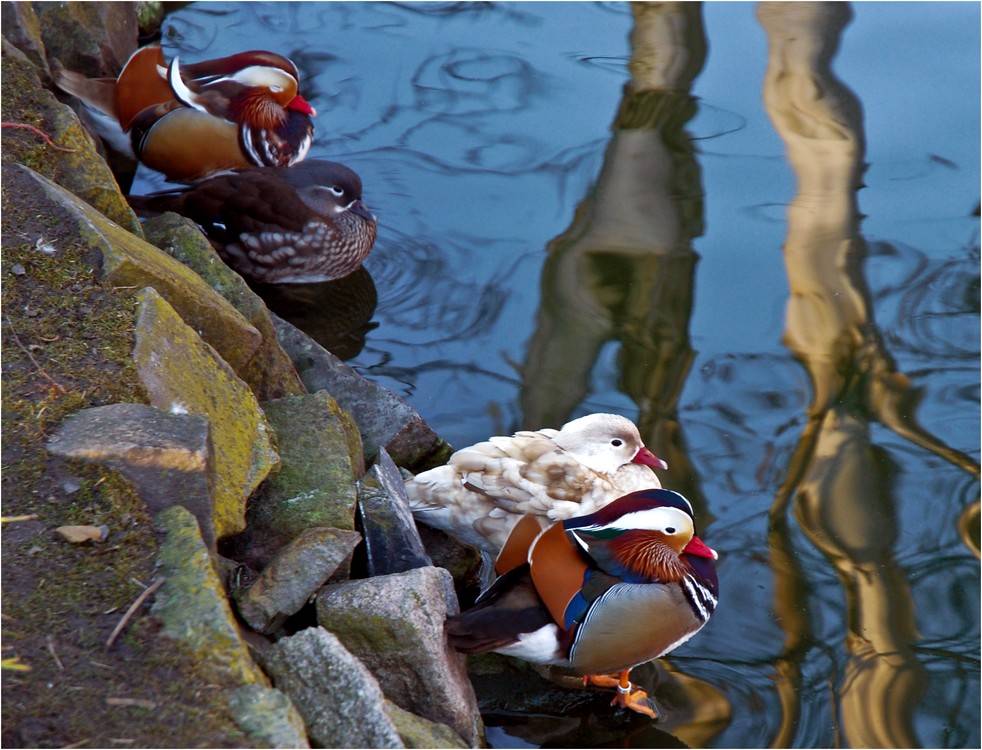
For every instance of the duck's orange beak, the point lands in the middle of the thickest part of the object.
(301, 105)
(700, 548)
(646, 457)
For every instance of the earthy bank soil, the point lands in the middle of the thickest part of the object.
(66, 341)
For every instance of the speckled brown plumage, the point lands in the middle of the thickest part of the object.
(304, 224)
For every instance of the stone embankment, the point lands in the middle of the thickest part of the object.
(286, 565)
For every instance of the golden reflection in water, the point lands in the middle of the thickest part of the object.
(839, 481)
(624, 271)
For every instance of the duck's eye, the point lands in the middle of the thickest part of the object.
(275, 89)
(335, 190)
(617, 442)
(670, 530)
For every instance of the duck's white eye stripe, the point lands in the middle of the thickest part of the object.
(264, 75)
(654, 519)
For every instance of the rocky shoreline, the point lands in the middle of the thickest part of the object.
(286, 565)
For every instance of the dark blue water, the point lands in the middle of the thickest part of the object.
(752, 229)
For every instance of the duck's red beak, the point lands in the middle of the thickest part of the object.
(700, 549)
(301, 105)
(646, 457)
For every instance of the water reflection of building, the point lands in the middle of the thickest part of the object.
(624, 269)
(624, 272)
(838, 481)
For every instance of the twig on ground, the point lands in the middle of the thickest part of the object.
(144, 595)
(38, 131)
(30, 356)
(51, 648)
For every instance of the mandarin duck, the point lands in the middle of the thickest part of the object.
(483, 491)
(299, 225)
(191, 121)
(600, 593)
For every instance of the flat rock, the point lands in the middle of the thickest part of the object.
(394, 625)
(339, 699)
(166, 456)
(293, 576)
(321, 458)
(384, 419)
(269, 372)
(392, 543)
(182, 374)
(193, 607)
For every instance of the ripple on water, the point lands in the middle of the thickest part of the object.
(469, 81)
(928, 307)
(946, 589)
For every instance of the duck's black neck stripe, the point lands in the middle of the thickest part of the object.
(699, 597)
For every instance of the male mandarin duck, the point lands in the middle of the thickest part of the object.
(599, 594)
(191, 121)
(483, 491)
(304, 224)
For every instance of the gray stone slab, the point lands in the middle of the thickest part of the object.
(392, 543)
(293, 576)
(384, 419)
(394, 625)
(339, 699)
(166, 456)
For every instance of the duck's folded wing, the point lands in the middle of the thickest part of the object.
(510, 608)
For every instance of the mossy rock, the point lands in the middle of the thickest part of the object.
(183, 374)
(67, 343)
(81, 171)
(193, 606)
(269, 372)
(95, 39)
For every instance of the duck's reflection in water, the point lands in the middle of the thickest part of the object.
(336, 314)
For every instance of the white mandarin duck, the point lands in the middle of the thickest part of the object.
(483, 491)
(598, 594)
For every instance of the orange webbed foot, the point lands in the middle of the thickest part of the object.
(627, 695)
(636, 700)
